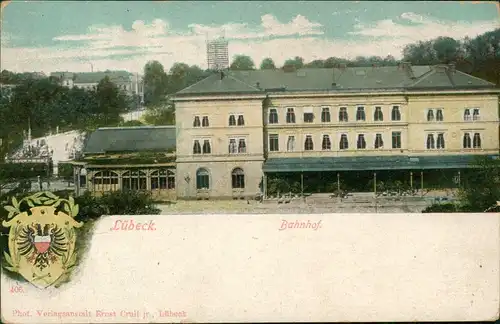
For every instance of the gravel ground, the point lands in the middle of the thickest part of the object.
(253, 207)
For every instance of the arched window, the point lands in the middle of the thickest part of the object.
(105, 180)
(238, 178)
(134, 180)
(202, 179)
(163, 179)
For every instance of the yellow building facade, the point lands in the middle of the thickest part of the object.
(329, 120)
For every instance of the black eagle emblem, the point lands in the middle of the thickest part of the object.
(42, 245)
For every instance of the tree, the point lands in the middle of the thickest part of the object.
(182, 75)
(482, 185)
(447, 49)
(155, 83)
(160, 115)
(295, 63)
(421, 53)
(111, 102)
(315, 64)
(242, 62)
(267, 64)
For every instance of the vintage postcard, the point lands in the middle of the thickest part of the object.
(260, 161)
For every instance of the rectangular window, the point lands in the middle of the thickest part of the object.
(344, 143)
(379, 141)
(273, 116)
(477, 140)
(233, 148)
(467, 115)
(290, 144)
(475, 114)
(241, 120)
(308, 143)
(440, 141)
(361, 144)
(237, 145)
(430, 115)
(232, 120)
(196, 147)
(430, 142)
(326, 144)
(274, 143)
(378, 115)
(207, 149)
(343, 117)
(467, 141)
(242, 146)
(395, 113)
(360, 114)
(196, 121)
(290, 116)
(308, 117)
(204, 121)
(325, 115)
(396, 140)
(439, 115)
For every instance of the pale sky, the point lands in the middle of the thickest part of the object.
(53, 36)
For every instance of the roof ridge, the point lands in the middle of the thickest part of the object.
(423, 77)
(448, 74)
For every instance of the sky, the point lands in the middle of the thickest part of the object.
(79, 36)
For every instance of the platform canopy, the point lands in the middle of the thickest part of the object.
(369, 163)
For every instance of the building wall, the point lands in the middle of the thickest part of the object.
(335, 128)
(219, 162)
(413, 125)
(454, 125)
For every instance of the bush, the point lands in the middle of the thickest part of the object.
(442, 208)
(23, 170)
(128, 202)
(65, 171)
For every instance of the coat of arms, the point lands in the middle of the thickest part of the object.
(42, 239)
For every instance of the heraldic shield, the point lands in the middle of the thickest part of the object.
(42, 239)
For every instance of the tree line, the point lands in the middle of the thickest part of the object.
(44, 105)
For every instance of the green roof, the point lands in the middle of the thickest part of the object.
(336, 79)
(131, 139)
(369, 163)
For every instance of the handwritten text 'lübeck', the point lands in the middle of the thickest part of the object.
(130, 225)
(300, 224)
